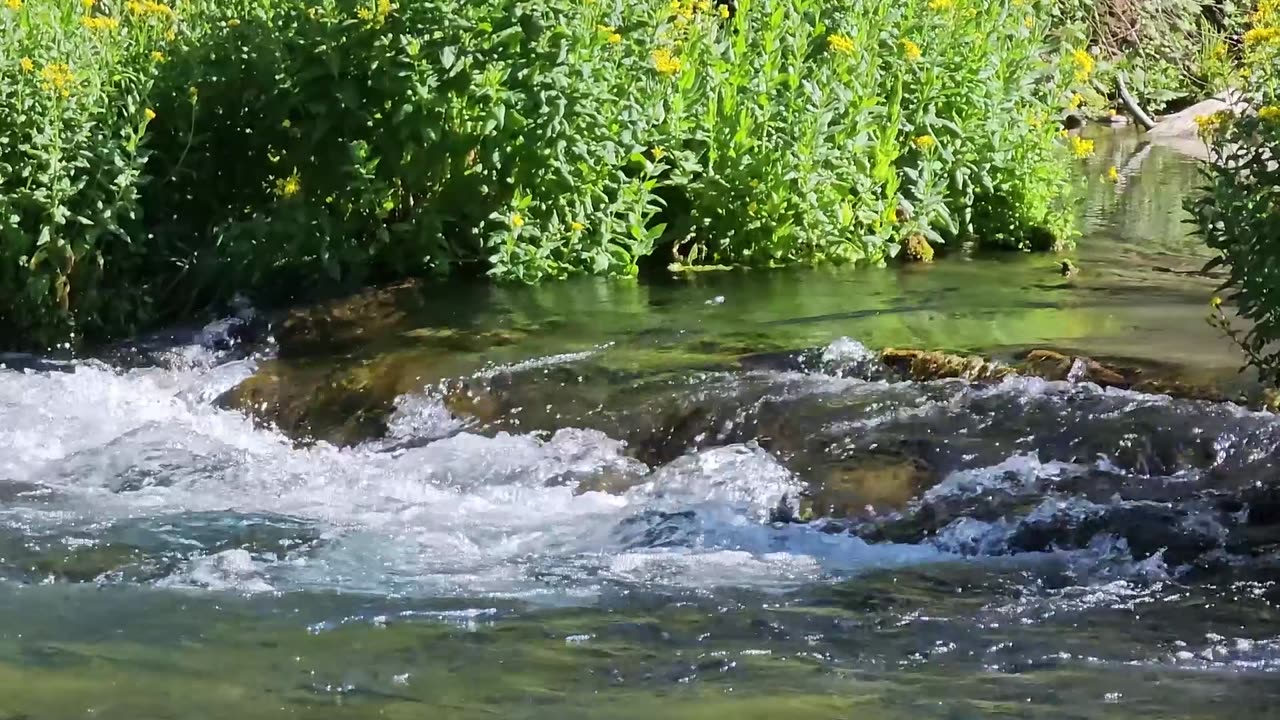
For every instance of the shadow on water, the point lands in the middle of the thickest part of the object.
(685, 498)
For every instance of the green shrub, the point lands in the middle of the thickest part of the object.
(1172, 52)
(302, 146)
(73, 90)
(1239, 212)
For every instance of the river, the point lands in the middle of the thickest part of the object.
(684, 498)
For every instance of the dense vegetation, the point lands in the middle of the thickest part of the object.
(1172, 52)
(155, 158)
(1239, 214)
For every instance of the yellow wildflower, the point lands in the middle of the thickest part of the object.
(14, 5)
(1209, 124)
(517, 220)
(1080, 147)
(157, 56)
(924, 142)
(1084, 64)
(1270, 113)
(26, 65)
(664, 62)
(149, 114)
(842, 44)
(1076, 101)
(1216, 302)
(170, 35)
(614, 38)
(134, 7)
(658, 153)
(57, 78)
(606, 29)
(365, 14)
(940, 5)
(724, 11)
(88, 4)
(1113, 174)
(576, 226)
(290, 186)
(1029, 21)
(1260, 35)
(101, 22)
(233, 23)
(911, 50)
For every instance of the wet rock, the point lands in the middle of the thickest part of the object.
(869, 485)
(343, 405)
(1263, 503)
(921, 365)
(243, 326)
(1147, 528)
(1052, 365)
(916, 248)
(86, 564)
(24, 362)
(342, 325)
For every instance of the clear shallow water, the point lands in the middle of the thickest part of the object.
(585, 500)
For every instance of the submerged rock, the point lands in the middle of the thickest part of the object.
(866, 486)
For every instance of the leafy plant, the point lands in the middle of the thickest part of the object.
(165, 156)
(1239, 213)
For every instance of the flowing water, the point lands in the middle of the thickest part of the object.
(688, 498)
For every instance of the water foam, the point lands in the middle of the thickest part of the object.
(463, 515)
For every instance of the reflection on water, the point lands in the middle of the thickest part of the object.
(673, 498)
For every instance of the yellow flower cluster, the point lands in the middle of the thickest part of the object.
(376, 15)
(665, 62)
(1270, 113)
(1076, 101)
(1113, 175)
(100, 22)
(1261, 36)
(57, 78)
(911, 50)
(14, 5)
(1081, 147)
(290, 186)
(1083, 63)
(842, 44)
(610, 33)
(1267, 13)
(26, 65)
(941, 5)
(517, 221)
(146, 8)
(1210, 124)
(924, 142)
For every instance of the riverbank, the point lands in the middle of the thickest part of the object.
(165, 157)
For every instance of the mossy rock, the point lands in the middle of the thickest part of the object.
(85, 564)
(342, 405)
(923, 366)
(916, 248)
(881, 482)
